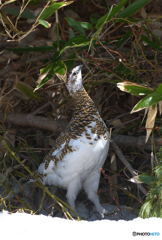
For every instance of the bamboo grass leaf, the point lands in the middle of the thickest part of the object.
(133, 8)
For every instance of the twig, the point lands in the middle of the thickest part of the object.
(128, 165)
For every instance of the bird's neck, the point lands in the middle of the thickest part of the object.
(84, 114)
(83, 103)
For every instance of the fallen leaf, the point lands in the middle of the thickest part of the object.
(160, 107)
(150, 121)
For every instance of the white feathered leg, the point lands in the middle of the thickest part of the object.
(91, 186)
(72, 192)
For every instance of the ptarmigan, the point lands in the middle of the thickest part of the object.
(81, 150)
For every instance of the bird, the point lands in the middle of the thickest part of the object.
(76, 159)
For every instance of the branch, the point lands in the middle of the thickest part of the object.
(136, 142)
(28, 120)
(127, 164)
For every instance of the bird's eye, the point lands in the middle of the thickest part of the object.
(75, 73)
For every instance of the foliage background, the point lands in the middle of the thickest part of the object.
(40, 41)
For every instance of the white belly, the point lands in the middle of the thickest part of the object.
(77, 164)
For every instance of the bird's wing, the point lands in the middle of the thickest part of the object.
(60, 149)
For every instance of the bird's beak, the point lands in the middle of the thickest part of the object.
(80, 66)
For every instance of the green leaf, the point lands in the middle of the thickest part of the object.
(78, 26)
(149, 100)
(26, 90)
(147, 179)
(60, 68)
(45, 79)
(158, 171)
(75, 42)
(105, 19)
(111, 13)
(44, 23)
(48, 72)
(53, 8)
(134, 88)
(86, 25)
(145, 210)
(14, 11)
(133, 8)
(46, 69)
(159, 89)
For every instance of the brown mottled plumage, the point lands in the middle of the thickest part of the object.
(85, 113)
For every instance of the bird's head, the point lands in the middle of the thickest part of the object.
(74, 80)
